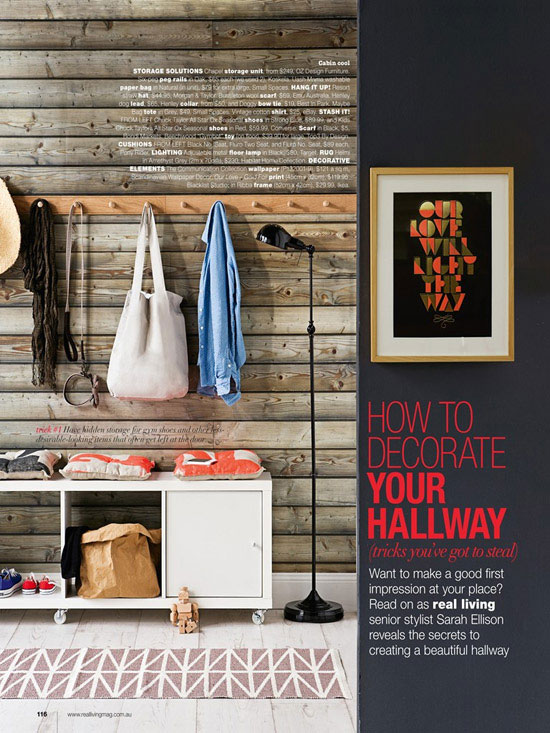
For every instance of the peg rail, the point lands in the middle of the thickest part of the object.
(199, 204)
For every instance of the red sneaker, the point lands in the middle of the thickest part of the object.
(30, 586)
(47, 585)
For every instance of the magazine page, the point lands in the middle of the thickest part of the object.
(273, 347)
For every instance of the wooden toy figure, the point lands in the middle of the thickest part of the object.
(184, 613)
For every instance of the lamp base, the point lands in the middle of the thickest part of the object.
(314, 610)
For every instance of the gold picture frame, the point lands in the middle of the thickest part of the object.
(497, 184)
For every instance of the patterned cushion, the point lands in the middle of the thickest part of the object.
(225, 464)
(37, 464)
(83, 466)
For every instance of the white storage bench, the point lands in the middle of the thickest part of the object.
(216, 539)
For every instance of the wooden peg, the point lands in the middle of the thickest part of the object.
(255, 204)
(326, 204)
(40, 204)
(290, 203)
(184, 204)
(112, 205)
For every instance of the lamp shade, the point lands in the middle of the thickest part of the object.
(276, 236)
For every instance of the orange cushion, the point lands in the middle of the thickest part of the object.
(105, 466)
(225, 464)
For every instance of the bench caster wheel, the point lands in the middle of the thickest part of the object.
(60, 616)
(258, 617)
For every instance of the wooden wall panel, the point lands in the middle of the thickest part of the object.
(121, 64)
(287, 520)
(96, 34)
(55, 122)
(139, 9)
(50, 93)
(266, 349)
(280, 462)
(149, 434)
(290, 552)
(301, 33)
(260, 263)
(183, 234)
(260, 98)
(254, 377)
(292, 291)
(178, 34)
(95, 151)
(255, 320)
(42, 181)
(287, 492)
(251, 406)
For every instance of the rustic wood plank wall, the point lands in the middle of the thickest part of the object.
(261, 128)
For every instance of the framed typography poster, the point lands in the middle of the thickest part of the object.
(442, 264)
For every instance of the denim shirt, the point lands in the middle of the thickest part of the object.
(221, 345)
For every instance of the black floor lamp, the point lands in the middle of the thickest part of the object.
(312, 609)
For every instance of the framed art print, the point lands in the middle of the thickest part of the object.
(442, 264)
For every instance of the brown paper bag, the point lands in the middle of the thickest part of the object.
(155, 549)
(117, 562)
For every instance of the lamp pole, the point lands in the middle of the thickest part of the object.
(311, 333)
(313, 609)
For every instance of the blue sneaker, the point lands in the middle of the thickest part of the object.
(10, 582)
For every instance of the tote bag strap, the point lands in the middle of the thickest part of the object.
(69, 345)
(148, 236)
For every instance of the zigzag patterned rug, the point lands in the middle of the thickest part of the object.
(171, 673)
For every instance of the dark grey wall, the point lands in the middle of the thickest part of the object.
(466, 84)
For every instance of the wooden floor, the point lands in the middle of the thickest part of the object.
(152, 629)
